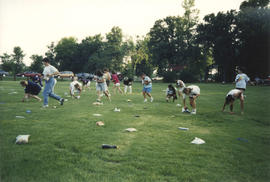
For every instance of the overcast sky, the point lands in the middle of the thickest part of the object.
(34, 24)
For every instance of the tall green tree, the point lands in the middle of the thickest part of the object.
(17, 61)
(254, 36)
(50, 53)
(7, 62)
(67, 54)
(113, 48)
(220, 34)
(173, 44)
(37, 64)
(140, 59)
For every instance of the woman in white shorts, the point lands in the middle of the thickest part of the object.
(193, 92)
(101, 85)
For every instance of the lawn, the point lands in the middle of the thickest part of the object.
(65, 142)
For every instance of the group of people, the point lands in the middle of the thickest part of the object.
(103, 78)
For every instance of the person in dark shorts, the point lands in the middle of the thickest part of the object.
(128, 84)
(31, 90)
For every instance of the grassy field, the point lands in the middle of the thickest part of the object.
(65, 143)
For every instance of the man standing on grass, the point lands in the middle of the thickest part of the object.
(49, 72)
(147, 87)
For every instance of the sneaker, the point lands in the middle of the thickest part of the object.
(45, 106)
(152, 99)
(193, 112)
(62, 101)
(145, 100)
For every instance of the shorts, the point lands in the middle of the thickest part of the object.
(101, 87)
(147, 90)
(241, 89)
(35, 92)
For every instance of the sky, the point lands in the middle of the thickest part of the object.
(34, 24)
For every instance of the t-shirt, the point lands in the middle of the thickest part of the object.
(128, 81)
(181, 85)
(115, 78)
(149, 85)
(107, 76)
(72, 84)
(242, 82)
(232, 92)
(49, 70)
(170, 91)
(32, 88)
(195, 91)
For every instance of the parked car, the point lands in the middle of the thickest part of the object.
(65, 74)
(3, 73)
(85, 76)
(28, 74)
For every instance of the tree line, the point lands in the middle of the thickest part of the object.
(176, 47)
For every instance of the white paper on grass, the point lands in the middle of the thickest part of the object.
(100, 123)
(97, 103)
(20, 117)
(96, 114)
(198, 141)
(130, 129)
(178, 105)
(13, 93)
(22, 139)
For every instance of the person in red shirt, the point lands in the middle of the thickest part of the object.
(116, 83)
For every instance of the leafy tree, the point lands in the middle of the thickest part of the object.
(7, 62)
(113, 48)
(51, 55)
(254, 31)
(173, 44)
(37, 64)
(14, 62)
(89, 47)
(140, 59)
(219, 33)
(67, 53)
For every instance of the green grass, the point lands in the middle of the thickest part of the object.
(65, 143)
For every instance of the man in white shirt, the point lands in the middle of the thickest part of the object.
(241, 80)
(49, 72)
(193, 91)
(231, 97)
(75, 86)
(147, 87)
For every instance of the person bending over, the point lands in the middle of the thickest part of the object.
(31, 89)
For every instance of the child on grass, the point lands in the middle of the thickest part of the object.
(170, 92)
(231, 97)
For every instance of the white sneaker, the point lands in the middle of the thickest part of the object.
(45, 106)
(145, 100)
(193, 112)
(152, 99)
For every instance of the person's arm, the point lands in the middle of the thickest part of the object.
(25, 97)
(237, 78)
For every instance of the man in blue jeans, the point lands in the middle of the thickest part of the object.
(49, 72)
